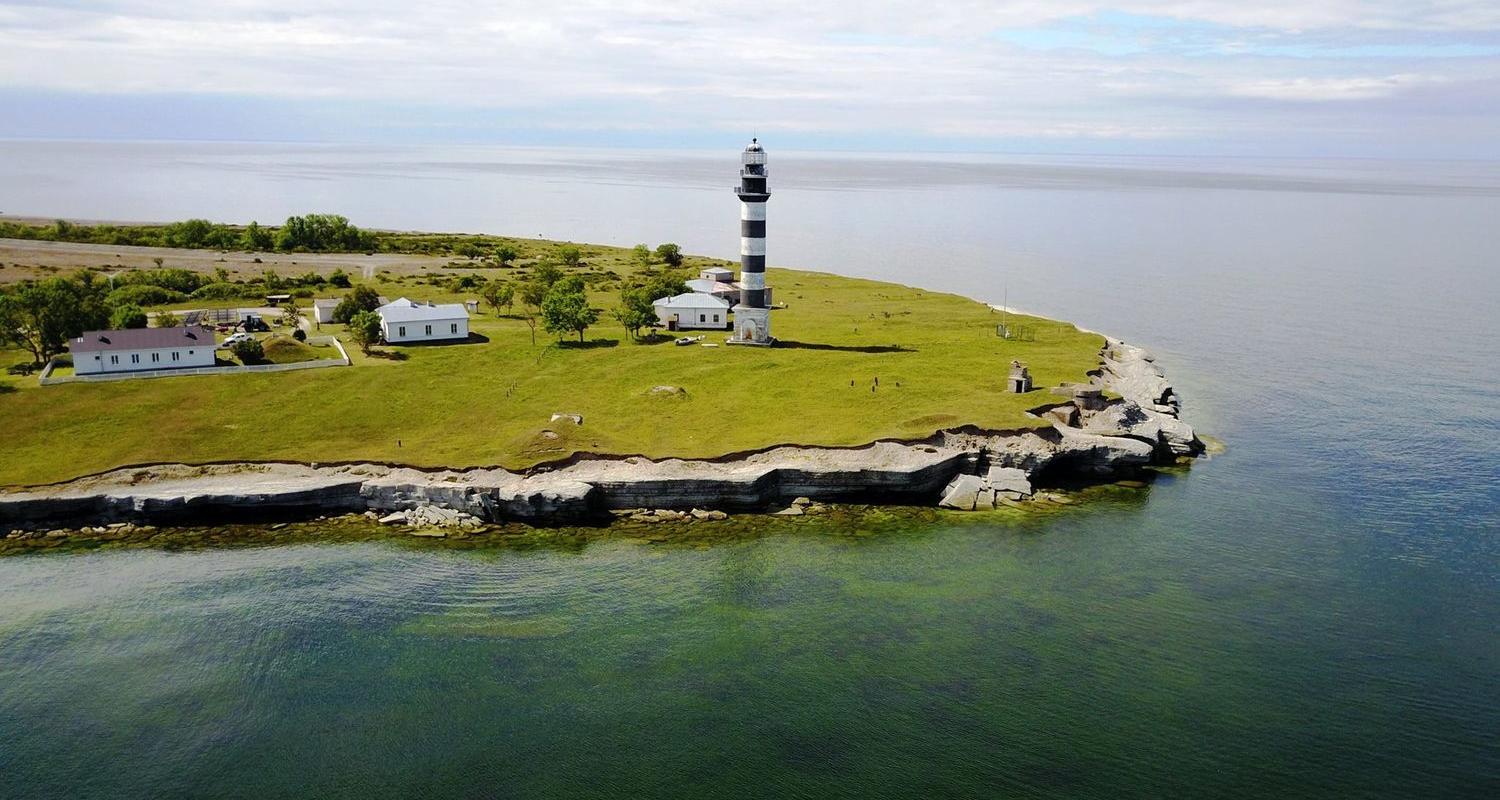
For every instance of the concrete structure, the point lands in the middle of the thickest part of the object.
(405, 321)
(752, 317)
(323, 310)
(693, 310)
(142, 349)
(716, 274)
(1020, 378)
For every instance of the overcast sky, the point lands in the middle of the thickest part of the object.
(1251, 77)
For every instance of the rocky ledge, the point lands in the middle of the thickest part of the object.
(1090, 433)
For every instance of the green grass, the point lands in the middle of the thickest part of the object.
(937, 358)
(281, 348)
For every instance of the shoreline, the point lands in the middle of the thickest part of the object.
(964, 468)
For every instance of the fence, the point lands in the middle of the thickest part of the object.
(46, 378)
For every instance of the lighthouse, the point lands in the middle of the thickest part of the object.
(752, 317)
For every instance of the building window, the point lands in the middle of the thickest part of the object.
(155, 357)
(453, 329)
(401, 331)
(114, 359)
(135, 358)
(716, 318)
(175, 354)
(702, 318)
(190, 352)
(429, 330)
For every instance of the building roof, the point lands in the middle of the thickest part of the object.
(142, 339)
(692, 300)
(404, 310)
(334, 303)
(707, 286)
(715, 271)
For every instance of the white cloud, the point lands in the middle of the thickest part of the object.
(933, 68)
(1328, 89)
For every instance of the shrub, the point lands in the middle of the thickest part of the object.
(220, 291)
(339, 279)
(167, 319)
(303, 292)
(178, 280)
(299, 334)
(127, 316)
(248, 351)
(143, 295)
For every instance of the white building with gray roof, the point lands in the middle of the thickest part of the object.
(404, 321)
(142, 349)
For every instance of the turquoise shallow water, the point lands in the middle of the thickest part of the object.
(1312, 613)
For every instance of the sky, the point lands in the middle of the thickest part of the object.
(1401, 78)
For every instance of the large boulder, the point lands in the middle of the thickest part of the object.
(1091, 452)
(963, 493)
(1008, 480)
(1179, 437)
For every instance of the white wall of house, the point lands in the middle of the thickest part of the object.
(104, 361)
(323, 313)
(711, 318)
(425, 330)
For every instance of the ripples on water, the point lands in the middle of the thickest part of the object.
(1312, 613)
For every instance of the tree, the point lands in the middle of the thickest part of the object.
(166, 319)
(670, 254)
(500, 295)
(188, 233)
(570, 255)
(636, 310)
(248, 351)
(318, 232)
(257, 238)
(506, 253)
(566, 308)
(364, 329)
(127, 316)
(546, 273)
(339, 278)
(640, 257)
(363, 298)
(41, 316)
(667, 285)
(291, 314)
(221, 275)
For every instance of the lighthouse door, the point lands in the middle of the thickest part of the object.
(749, 331)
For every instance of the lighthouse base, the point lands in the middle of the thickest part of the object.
(751, 326)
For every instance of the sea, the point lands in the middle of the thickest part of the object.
(1313, 612)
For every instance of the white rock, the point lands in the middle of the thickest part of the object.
(1008, 479)
(962, 493)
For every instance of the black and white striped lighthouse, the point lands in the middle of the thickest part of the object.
(752, 317)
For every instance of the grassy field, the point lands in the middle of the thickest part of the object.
(937, 358)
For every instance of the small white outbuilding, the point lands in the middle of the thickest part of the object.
(693, 310)
(405, 321)
(323, 310)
